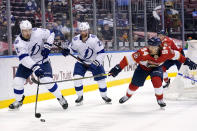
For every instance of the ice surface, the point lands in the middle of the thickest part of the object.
(140, 113)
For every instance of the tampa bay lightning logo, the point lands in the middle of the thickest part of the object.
(35, 49)
(88, 53)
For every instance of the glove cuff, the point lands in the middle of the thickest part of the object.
(96, 62)
(47, 46)
(35, 67)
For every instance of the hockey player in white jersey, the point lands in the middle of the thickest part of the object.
(91, 51)
(33, 47)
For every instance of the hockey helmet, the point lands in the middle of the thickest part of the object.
(25, 25)
(154, 41)
(161, 32)
(84, 26)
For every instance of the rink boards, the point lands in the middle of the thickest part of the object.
(62, 69)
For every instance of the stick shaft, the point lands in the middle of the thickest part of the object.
(187, 77)
(99, 75)
(73, 56)
(37, 95)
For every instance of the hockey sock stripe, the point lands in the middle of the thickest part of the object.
(129, 95)
(133, 87)
(79, 88)
(54, 88)
(131, 90)
(159, 97)
(22, 56)
(18, 91)
(103, 89)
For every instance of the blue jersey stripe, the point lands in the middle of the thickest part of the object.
(75, 51)
(101, 51)
(22, 56)
(48, 44)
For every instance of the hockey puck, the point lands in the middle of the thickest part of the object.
(42, 120)
(37, 115)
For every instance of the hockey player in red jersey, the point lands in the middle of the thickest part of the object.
(166, 41)
(150, 60)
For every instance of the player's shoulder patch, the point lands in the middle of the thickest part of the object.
(75, 38)
(93, 36)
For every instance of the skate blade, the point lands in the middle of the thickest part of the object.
(79, 104)
(17, 109)
(162, 108)
(108, 103)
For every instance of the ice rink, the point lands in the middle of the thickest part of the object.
(140, 113)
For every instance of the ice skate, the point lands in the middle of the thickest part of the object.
(79, 100)
(16, 104)
(167, 84)
(123, 99)
(106, 99)
(63, 102)
(161, 103)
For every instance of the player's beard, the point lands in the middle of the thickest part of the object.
(84, 36)
(26, 34)
(154, 52)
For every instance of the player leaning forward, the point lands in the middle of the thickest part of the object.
(150, 60)
(91, 51)
(33, 47)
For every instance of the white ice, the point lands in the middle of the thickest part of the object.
(140, 113)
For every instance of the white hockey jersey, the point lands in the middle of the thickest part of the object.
(29, 51)
(90, 50)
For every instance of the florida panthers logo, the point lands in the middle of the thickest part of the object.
(88, 53)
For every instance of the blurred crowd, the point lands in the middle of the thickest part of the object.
(57, 17)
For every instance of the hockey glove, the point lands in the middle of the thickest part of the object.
(115, 70)
(65, 52)
(39, 72)
(46, 50)
(191, 64)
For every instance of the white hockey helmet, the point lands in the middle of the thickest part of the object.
(84, 26)
(25, 25)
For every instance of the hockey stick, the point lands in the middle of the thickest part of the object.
(187, 77)
(38, 82)
(73, 56)
(37, 115)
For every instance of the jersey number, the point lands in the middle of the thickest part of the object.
(99, 43)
